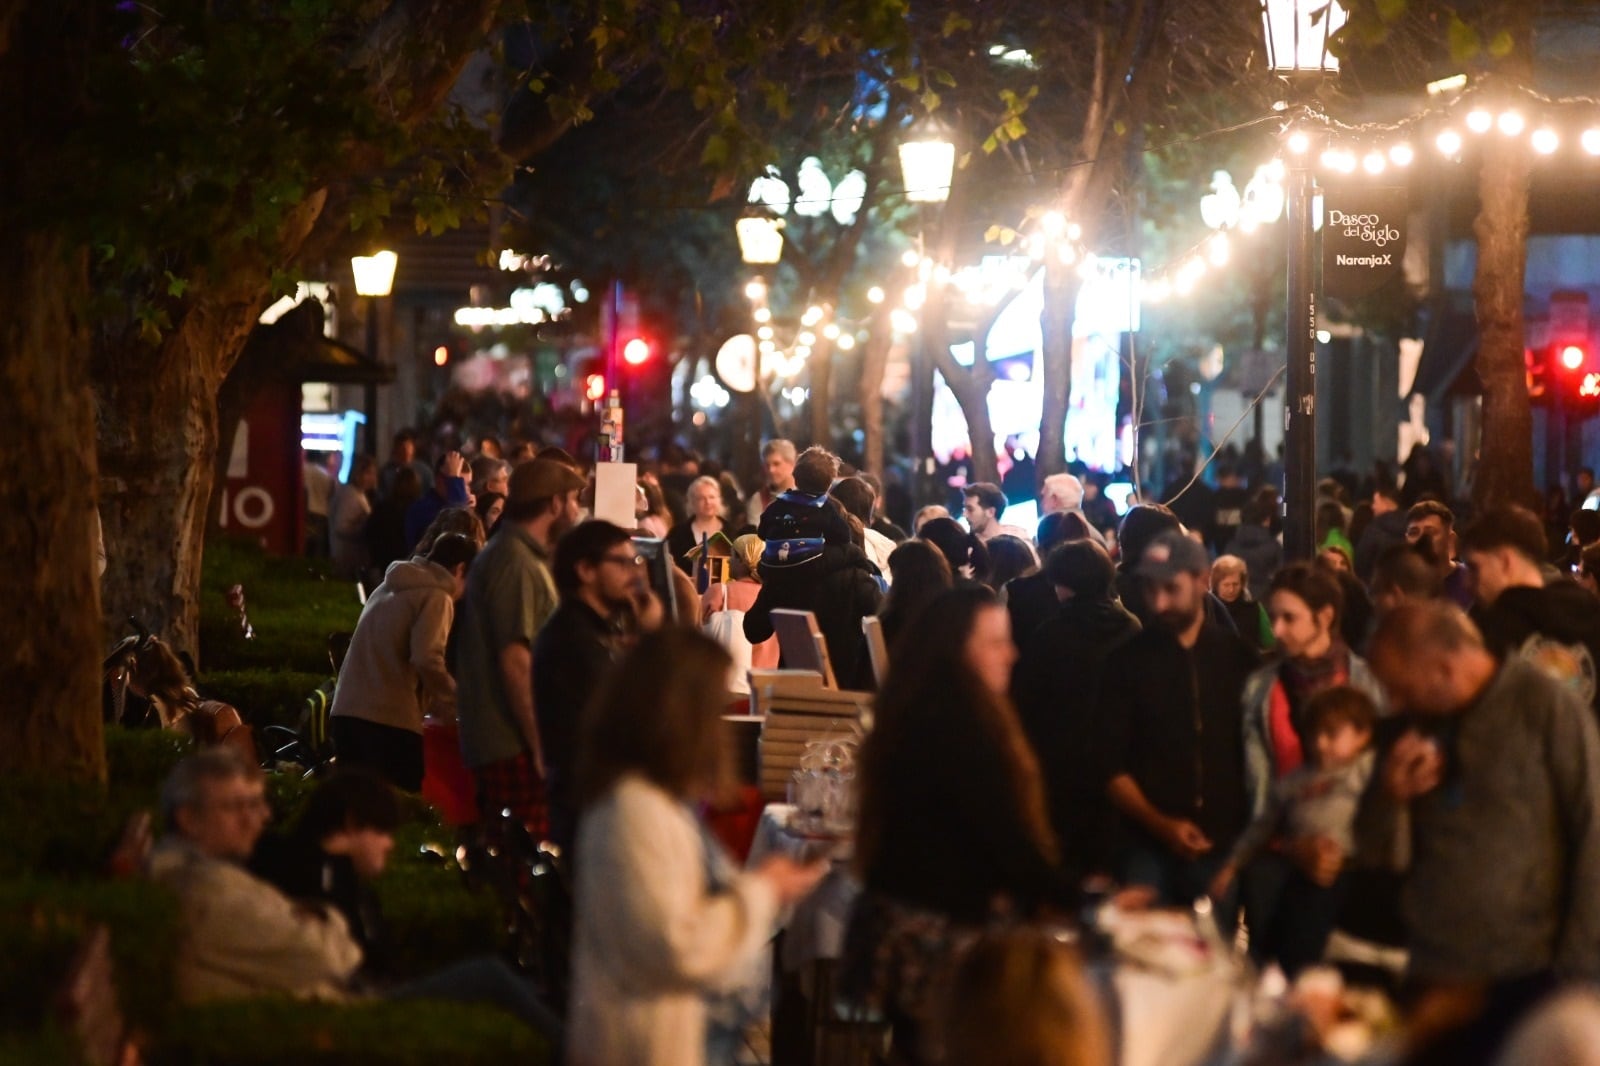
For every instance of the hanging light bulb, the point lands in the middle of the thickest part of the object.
(846, 342)
(1479, 121)
(916, 296)
(1373, 162)
(765, 333)
(831, 331)
(1591, 141)
(875, 295)
(1299, 142)
(762, 314)
(756, 290)
(1054, 224)
(910, 257)
(1401, 154)
(1449, 142)
(1511, 123)
(1545, 140)
(812, 316)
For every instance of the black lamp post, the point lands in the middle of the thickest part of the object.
(1297, 34)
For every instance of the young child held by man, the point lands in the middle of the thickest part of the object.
(1316, 801)
(799, 523)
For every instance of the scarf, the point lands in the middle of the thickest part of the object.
(1298, 680)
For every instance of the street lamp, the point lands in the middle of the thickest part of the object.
(760, 239)
(1297, 34)
(374, 276)
(927, 164)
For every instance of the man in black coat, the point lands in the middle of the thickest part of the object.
(1172, 728)
(1056, 687)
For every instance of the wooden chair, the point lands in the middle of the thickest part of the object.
(877, 648)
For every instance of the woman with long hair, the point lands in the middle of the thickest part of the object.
(953, 829)
(919, 573)
(663, 918)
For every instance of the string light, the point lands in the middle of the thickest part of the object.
(1373, 163)
(756, 290)
(1449, 142)
(1591, 141)
(1401, 155)
(1299, 143)
(831, 331)
(846, 342)
(1512, 123)
(1545, 140)
(1054, 223)
(875, 295)
(1479, 121)
(762, 314)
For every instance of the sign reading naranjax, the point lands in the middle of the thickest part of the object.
(1363, 239)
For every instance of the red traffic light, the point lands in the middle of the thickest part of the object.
(636, 352)
(594, 388)
(1573, 356)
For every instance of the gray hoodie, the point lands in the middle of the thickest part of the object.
(395, 671)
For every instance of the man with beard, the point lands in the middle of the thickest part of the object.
(601, 579)
(1430, 527)
(510, 595)
(1173, 744)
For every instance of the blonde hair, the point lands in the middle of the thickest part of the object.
(1020, 998)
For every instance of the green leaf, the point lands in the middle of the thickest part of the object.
(536, 85)
(1502, 44)
(930, 100)
(1391, 10)
(911, 82)
(1015, 128)
(715, 153)
(943, 77)
(176, 286)
(1465, 43)
(992, 234)
(991, 144)
(955, 22)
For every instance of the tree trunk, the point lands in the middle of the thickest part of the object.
(50, 627)
(869, 392)
(158, 447)
(1061, 285)
(970, 385)
(1505, 462)
(820, 400)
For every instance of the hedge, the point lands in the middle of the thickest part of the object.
(292, 603)
(365, 1033)
(264, 697)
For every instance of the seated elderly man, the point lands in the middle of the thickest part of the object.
(244, 937)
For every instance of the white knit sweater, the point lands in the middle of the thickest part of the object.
(650, 941)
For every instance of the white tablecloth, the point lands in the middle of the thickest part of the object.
(1165, 1020)
(815, 927)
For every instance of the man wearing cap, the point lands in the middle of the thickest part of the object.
(1170, 726)
(510, 594)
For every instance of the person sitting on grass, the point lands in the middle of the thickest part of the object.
(243, 937)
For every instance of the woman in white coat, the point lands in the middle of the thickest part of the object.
(663, 922)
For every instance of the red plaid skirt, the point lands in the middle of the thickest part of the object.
(513, 785)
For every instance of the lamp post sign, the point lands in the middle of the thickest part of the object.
(1363, 239)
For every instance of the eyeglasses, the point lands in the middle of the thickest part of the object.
(623, 560)
(240, 804)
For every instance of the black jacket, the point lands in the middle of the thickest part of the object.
(839, 586)
(301, 870)
(1056, 687)
(1030, 601)
(572, 655)
(1556, 627)
(1171, 720)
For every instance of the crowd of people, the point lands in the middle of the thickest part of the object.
(1384, 757)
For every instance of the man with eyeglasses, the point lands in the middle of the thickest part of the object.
(242, 936)
(604, 593)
